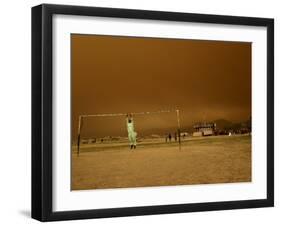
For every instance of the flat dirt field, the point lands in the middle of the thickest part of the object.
(204, 160)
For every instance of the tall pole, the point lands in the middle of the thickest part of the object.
(79, 131)
(179, 132)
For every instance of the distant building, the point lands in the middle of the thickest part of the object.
(204, 129)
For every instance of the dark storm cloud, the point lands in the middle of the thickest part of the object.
(206, 80)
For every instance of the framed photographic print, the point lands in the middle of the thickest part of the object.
(145, 112)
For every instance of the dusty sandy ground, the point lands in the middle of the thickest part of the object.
(220, 159)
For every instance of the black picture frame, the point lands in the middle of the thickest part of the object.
(42, 107)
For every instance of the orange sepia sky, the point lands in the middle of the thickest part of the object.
(206, 80)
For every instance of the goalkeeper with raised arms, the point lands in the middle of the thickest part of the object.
(132, 135)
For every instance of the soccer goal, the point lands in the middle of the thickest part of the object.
(81, 122)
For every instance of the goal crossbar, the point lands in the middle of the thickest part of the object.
(125, 114)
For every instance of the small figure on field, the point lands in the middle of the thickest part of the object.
(170, 137)
(176, 136)
(132, 135)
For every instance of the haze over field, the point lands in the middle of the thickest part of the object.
(206, 80)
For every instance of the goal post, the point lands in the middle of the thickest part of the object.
(81, 117)
(179, 131)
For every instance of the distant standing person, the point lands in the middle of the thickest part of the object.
(176, 136)
(132, 135)
(170, 137)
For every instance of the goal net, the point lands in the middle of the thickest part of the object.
(105, 130)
